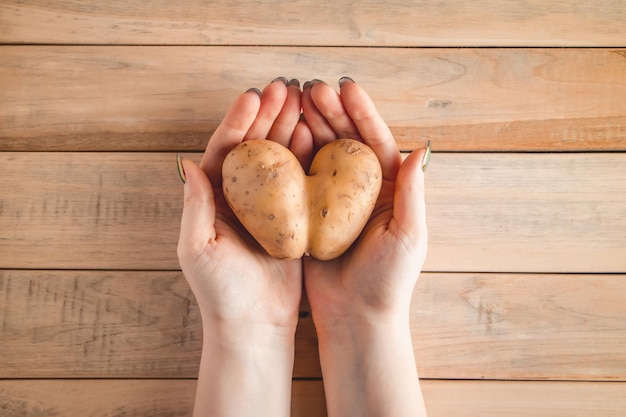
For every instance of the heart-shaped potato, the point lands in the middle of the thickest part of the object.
(292, 214)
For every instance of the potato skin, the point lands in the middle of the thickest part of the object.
(263, 183)
(345, 181)
(291, 214)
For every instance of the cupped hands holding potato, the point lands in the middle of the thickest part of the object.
(249, 299)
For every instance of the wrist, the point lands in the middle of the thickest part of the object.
(236, 325)
(358, 328)
(254, 362)
(337, 322)
(379, 355)
(247, 336)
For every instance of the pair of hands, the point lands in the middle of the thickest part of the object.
(237, 283)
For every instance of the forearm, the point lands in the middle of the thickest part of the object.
(246, 372)
(369, 370)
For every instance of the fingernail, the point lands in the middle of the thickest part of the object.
(282, 79)
(293, 81)
(181, 169)
(426, 158)
(344, 79)
(254, 89)
(316, 81)
(307, 84)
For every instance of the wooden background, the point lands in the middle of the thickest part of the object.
(521, 309)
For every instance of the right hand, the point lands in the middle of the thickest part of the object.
(375, 278)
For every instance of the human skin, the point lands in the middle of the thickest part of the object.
(360, 301)
(248, 300)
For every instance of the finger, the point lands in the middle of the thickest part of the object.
(230, 132)
(302, 144)
(409, 207)
(197, 226)
(283, 128)
(329, 104)
(272, 101)
(371, 126)
(320, 128)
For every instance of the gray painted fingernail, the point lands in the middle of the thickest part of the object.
(254, 89)
(426, 158)
(344, 79)
(181, 169)
(282, 79)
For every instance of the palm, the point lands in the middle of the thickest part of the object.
(379, 270)
(260, 285)
(230, 275)
(361, 278)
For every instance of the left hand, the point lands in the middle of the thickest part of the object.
(236, 283)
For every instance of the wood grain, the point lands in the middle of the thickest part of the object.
(526, 261)
(308, 22)
(520, 326)
(526, 213)
(88, 324)
(138, 98)
(522, 399)
(486, 212)
(77, 324)
(174, 398)
(102, 211)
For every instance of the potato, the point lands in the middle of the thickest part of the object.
(292, 214)
(264, 184)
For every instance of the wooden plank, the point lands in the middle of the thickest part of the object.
(308, 22)
(96, 398)
(527, 213)
(74, 324)
(174, 398)
(486, 212)
(162, 98)
(77, 324)
(522, 399)
(520, 326)
(102, 211)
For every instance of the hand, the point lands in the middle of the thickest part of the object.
(360, 301)
(248, 300)
(378, 274)
(233, 278)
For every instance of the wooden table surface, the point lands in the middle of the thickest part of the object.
(521, 309)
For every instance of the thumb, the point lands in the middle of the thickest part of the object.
(409, 205)
(197, 226)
